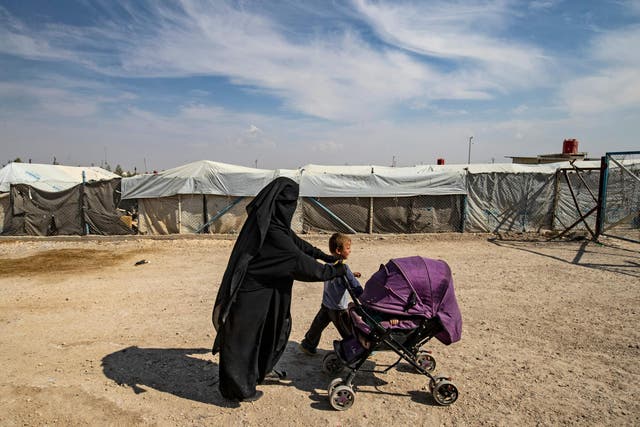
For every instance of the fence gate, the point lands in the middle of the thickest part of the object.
(619, 204)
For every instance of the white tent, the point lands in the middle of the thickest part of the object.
(37, 199)
(184, 198)
(379, 181)
(201, 177)
(51, 178)
(214, 178)
(368, 198)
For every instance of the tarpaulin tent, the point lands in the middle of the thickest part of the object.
(379, 199)
(208, 196)
(183, 199)
(46, 200)
(50, 178)
(82, 209)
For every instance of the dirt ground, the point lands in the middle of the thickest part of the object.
(550, 336)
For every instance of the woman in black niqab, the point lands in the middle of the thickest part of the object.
(252, 309)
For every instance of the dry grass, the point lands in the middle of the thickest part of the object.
(61, 260)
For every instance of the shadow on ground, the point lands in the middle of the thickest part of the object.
(305, 373)
(588, 254)
(171, 370)
(190, 374)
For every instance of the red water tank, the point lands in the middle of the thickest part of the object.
(570, 146)
(440, 161)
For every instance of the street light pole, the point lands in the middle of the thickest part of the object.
(469, 158)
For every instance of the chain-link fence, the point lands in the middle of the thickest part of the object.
(226, 214)
(620, 196)
(403, 215)
(495, 202)
(191, 213)
(501, 202)
(576, 198)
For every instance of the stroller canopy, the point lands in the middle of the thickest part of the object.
(418, 287)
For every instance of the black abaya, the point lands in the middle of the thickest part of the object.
(252, 310)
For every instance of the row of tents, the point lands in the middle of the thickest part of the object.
(210, 197)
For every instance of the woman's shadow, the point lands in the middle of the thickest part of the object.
(183, 372)
(191, 374)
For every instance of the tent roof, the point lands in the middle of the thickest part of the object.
(208, 177)
(201, 177)
(50, 178)
(379, 181)
(548, 168)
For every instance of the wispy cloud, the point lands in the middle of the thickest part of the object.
(469, 35)
(15, 39)
(59, 100)
(346, 76)
(616, 82)
(328, 77)
(327, 147)
(634, 6)
(543, 4)
(336, 76)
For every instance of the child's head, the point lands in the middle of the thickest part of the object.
(340, 245)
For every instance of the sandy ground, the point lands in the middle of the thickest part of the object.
(550, 336)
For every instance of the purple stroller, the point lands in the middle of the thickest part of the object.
(418, 294)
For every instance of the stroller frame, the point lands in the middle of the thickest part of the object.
(342, 391)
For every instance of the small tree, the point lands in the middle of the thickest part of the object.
(118, 170)
(17, 160)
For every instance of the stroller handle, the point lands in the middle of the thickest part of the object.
(360, 309)
(351, 290)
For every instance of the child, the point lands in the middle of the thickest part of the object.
(335, 299)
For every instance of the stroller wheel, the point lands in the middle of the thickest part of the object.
(342, 398)
(445, 392)
(426, 362)
(331, 364)
(333, 384)
(434, 381)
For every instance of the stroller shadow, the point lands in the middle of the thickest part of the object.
(620, 260)
(171, 370)
(305, 373)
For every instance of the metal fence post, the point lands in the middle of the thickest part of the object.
(556, 197)
(370, 215)
(179, 214)
(82, 205)
(602, 195)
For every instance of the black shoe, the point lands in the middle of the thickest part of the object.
(253, 398)
(306, 350)
(276, 375)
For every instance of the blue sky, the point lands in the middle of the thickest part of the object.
(287, 83)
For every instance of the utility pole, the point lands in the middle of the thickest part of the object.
(469, 158)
